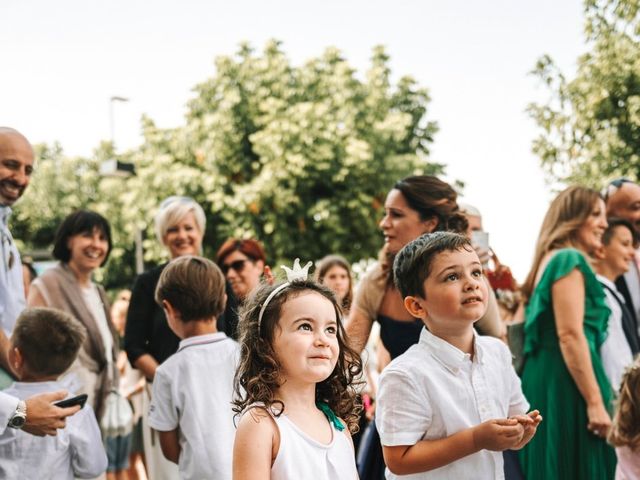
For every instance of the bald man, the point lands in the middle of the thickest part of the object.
(622, 197)
(16, 166)
(37, 414)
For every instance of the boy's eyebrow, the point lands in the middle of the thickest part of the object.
(457, 266)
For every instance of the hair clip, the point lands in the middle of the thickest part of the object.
(294, 274)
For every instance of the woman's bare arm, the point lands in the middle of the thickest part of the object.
(568, 297)
(358, 329)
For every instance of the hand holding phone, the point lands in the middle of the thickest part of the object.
(73, 401)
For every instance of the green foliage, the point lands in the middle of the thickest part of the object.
(591, 123)
(299, 157)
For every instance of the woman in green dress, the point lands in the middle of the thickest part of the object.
(566, 321)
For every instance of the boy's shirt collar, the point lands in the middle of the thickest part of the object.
(452, 358)
(202, 340)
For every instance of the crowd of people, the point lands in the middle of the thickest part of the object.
(228, 369)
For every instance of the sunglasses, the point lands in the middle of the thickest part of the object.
(613, 187)
(238, 266)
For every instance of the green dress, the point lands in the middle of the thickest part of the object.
(563, 448)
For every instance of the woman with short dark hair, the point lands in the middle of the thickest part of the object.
(82, 244)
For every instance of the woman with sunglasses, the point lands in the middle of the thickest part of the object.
(180, 225)
(243, 263)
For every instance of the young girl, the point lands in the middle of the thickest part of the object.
(294, 386)
(625, 432)
(334, 271)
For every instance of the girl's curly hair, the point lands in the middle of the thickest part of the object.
(258, 375)
(625, 431)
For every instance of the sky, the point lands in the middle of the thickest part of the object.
(62, 61)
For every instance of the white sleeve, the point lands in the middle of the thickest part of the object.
(88, 457)
(403, 413)
(163, 414)
(8, 405)
(518, 404)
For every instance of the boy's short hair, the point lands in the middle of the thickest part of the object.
(615, 222)
(412, 264)
(194, 286)
(48, 339)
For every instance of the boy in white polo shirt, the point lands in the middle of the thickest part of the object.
(451, 403)
(192, 390)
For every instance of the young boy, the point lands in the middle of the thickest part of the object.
(193, 389)
(612, 260)
(44, 343)
(451, 403)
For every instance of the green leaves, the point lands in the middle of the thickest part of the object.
(299, 157)
(591, 124)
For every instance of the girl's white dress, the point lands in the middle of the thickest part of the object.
(300, 456)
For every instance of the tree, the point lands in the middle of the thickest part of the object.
(591, 124)
(299, 157)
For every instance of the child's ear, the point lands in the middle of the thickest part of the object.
(415, 307)
(16, 360)
(168, 308)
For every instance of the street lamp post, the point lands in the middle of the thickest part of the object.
(116, 168)
(112, 117)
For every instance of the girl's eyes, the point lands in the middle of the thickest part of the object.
(451, 277)
(308, 328)
(477, 273)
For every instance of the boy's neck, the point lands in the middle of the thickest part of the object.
(461, 339)
(195, 328)
(602, 268)
(26, 378)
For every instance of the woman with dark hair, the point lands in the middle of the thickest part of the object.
(334, 271)
(415, 205)
(82, 244)
(243, 262)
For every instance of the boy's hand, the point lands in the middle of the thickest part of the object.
(530, 422)
(499, 434)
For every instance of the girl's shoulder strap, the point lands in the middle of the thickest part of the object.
(331, 416)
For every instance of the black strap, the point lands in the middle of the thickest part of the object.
(629, 325)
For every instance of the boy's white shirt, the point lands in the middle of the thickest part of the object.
(76, 451)
(192, 390)
(615, 351)
(434, 390)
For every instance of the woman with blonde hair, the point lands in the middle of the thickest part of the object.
(565, 325)
(148, 340)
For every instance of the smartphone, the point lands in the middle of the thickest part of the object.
(73, 401)
(480, 239)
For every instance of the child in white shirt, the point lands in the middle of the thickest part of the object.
(193, 389)
(451, 403)
(44, 343)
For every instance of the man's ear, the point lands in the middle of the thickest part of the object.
(415, 307)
